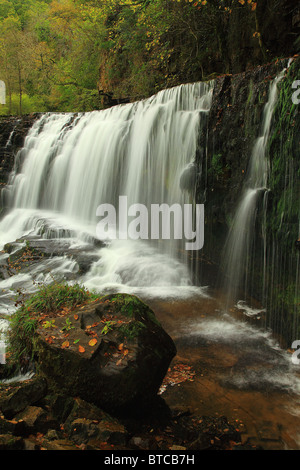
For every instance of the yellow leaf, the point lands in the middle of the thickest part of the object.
(65, 344)
(93, 342)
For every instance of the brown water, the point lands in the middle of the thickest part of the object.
(240, 371)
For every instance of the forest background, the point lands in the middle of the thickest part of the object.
(81, 55)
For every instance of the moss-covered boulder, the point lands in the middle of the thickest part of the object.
(112, 352)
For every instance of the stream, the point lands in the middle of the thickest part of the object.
(240, 371)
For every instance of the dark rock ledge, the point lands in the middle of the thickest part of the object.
(53, 421)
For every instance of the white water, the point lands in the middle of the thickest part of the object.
(238, 247)
(70, 164)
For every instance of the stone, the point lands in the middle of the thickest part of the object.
(17, 428)
(143, 443)
(30, 445)
(36, 420)
(110, 431)
(206, 433)
(16, 398)
(83, 410)
(87, 422)
(60, 444)
(52, 435)
(9, 442)
(82, 430)
(124, 364)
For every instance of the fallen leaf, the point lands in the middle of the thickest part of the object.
(93, 342)
(81, 349)
(76, 317)
(65, 344)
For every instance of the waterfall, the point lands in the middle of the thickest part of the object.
(72, 163)
(239, 244)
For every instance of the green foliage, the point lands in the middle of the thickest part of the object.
(283, 220)
(217, 164)
(67, 55)
(49, 324)
(68, 325)
(108, 326)
(23, 326)
(127, 304)
(49, 299)
(54, 297)
(283, 213)
(30, 104)
(133, 307)
(131, 330)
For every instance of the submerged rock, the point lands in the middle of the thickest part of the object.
(188, 177)
(113, 353)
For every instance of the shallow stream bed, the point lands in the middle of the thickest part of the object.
(240, 372)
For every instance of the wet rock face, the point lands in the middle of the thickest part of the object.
(188, 177)
(112, 353)
(13, 131)
(234, 123)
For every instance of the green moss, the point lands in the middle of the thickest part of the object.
(131, 330)
(284, 154)
(250, 94)
(216, 164)
(283, 212)
(132, 307)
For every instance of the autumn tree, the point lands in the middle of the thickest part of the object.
(65, 55)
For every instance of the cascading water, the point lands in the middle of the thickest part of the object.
(238, 247)
(70, 164)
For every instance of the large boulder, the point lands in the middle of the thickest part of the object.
(112, 352)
